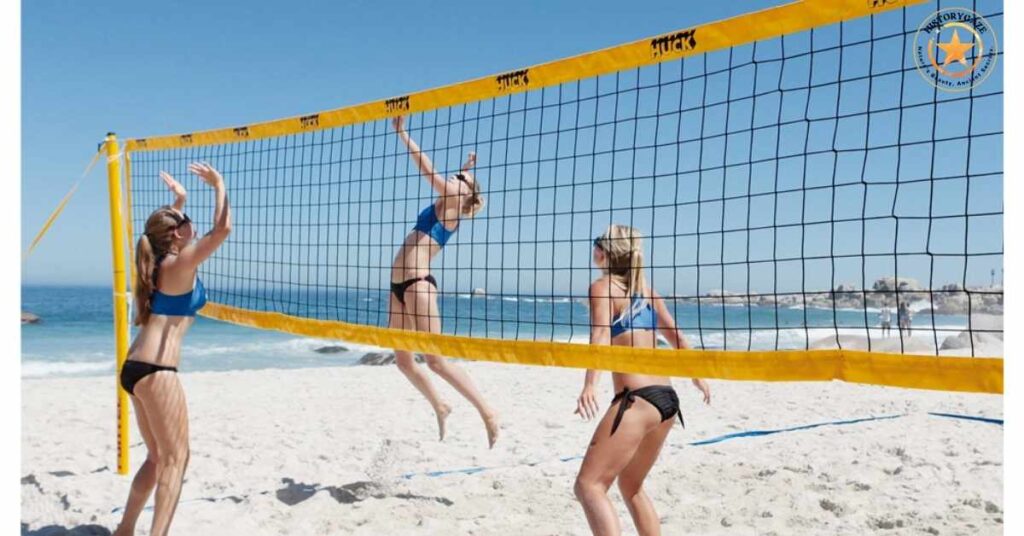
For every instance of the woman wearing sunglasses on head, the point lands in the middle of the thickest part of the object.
(413, 303)
(168, 293)
(624, 311)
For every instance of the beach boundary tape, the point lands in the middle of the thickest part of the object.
(713, 440)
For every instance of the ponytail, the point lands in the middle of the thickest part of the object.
(154, 244)
(623, 246)
(145, 264)
(637, 281)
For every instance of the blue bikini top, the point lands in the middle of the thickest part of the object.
(639, 315)
(179, 304)
(428, 224)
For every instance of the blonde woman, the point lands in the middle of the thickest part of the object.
(413, 304)
(168, 294)
(624, 311)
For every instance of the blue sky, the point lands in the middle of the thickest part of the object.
(141, 70)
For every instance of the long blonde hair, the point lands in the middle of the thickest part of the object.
(623, 247)
(154, 244)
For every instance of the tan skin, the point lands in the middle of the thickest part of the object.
(629, 454)
(420, 311)
(159, 400)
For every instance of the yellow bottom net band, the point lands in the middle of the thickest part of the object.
(965, 374)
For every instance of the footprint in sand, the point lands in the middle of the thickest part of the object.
(893, 472)
(885, 523)
(833, 507)
(973, 502)
(858, 486)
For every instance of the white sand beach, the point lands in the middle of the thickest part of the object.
(324, 451)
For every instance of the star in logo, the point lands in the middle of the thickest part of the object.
(955, 50)
(962, 60)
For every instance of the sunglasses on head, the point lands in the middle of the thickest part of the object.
(181, 221)
(597, 243)
(462, 178)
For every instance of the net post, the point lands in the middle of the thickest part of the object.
(120, 295)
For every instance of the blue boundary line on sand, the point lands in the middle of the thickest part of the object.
(750, 433)
(710, 441)
(758, 433)
(967, 417)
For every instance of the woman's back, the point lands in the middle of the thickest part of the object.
(173, 306)
(633, 323)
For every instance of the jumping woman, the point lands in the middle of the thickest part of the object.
(625, 312)
(413, 304)
(167, 295)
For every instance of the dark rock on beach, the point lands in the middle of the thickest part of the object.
(963, 340)
(334, 349)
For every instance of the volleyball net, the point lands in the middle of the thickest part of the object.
(798, 183)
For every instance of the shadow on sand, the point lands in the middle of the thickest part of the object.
(56, 530)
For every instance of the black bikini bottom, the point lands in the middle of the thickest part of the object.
(398, 289)
(133, 371)
(662, 397)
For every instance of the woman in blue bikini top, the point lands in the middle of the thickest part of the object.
(167, 295)
(413, 303)
(624, 311)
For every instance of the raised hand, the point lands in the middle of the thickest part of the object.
(207, 173)
(176, 188)
(398, 123)
(470, 161)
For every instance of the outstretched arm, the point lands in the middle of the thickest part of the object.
(196, 253)
(423, 162)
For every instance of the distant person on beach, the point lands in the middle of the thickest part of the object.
(413, 304)
(624, 311)
(885, 319)
(167, 293)
(903, 318)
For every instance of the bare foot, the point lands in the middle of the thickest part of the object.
(493, 428)
(120, 531)
(442, 415)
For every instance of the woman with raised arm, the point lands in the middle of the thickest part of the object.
(168, 293)
(413, 304)
(624, 311)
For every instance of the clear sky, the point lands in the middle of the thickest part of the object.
(147, 69)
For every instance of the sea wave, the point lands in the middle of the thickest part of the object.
(44, 369)
(290, 347)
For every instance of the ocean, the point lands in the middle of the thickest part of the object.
(75, 335)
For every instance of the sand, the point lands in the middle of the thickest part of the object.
(324, 451)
